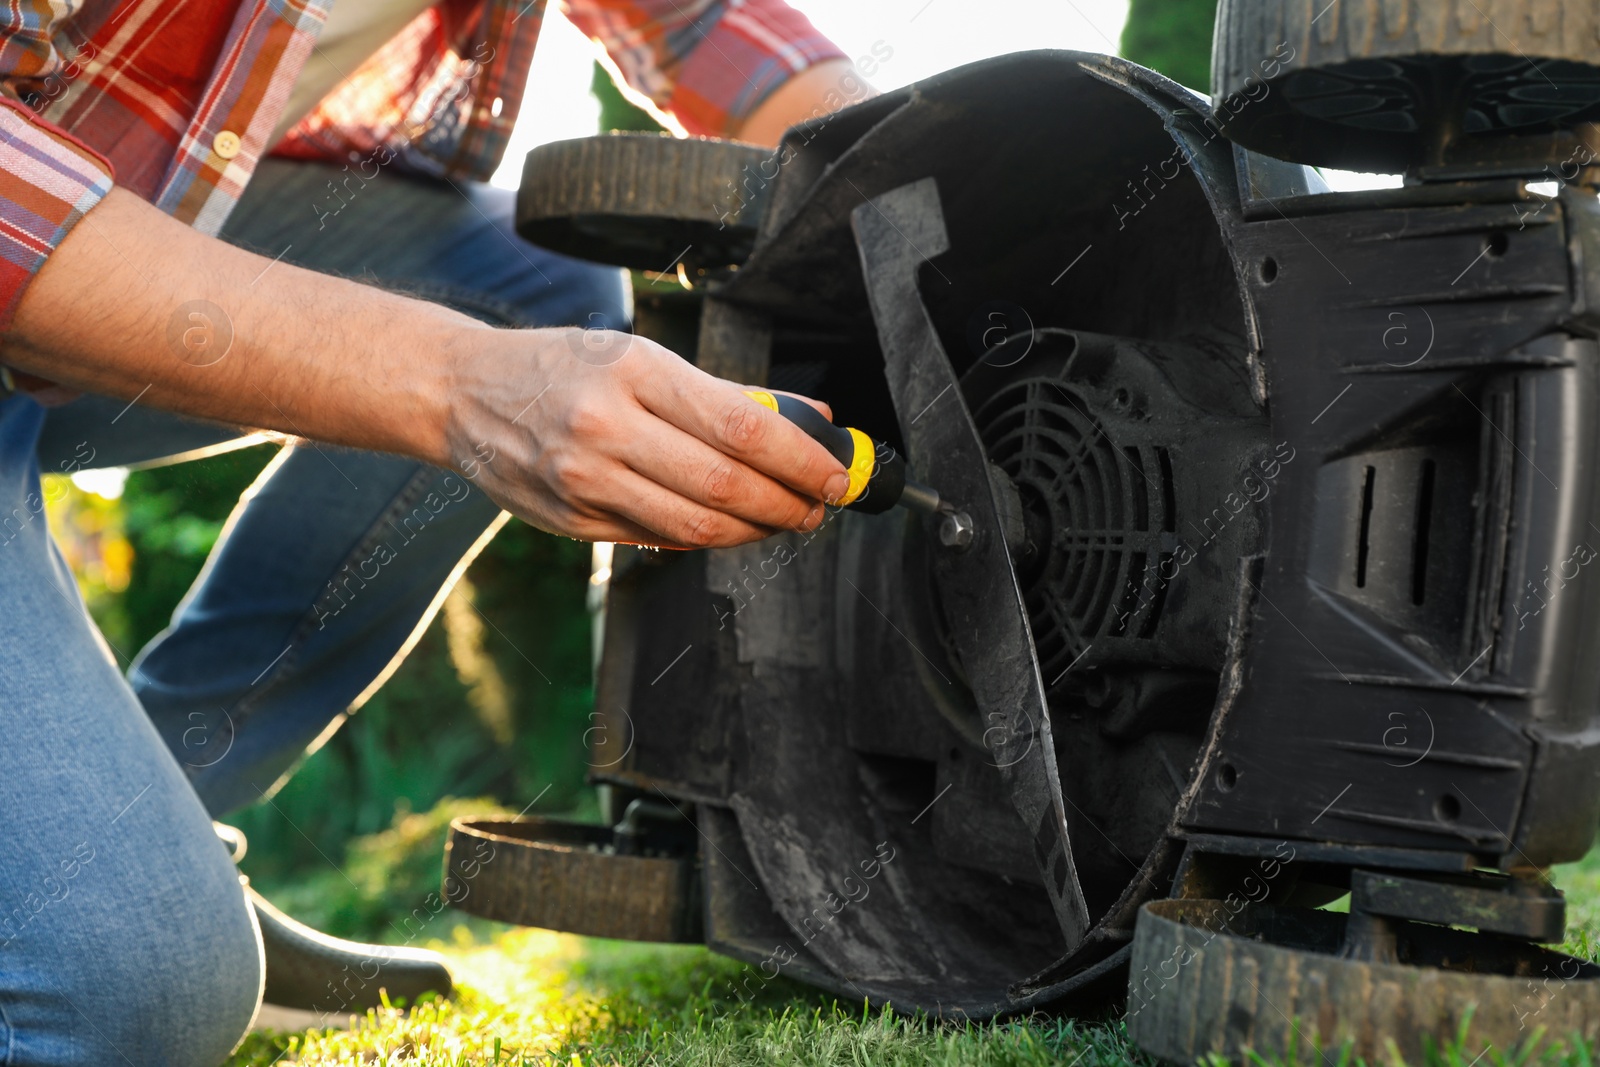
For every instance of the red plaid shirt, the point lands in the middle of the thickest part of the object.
(176, 100)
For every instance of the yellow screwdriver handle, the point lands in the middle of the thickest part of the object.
(847, 444)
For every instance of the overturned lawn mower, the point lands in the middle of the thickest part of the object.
(1273, 581)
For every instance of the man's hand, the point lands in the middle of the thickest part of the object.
(614, 438)
(621, 442)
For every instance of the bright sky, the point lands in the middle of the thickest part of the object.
(925, 36)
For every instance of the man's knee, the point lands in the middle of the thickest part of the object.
(175, 981)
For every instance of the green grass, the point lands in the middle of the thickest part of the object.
(532, 996)
(1581, 882)
(536, 997)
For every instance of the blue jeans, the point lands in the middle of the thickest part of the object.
(124, 934)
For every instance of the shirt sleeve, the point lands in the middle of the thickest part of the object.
(48, 181)
(709, 62)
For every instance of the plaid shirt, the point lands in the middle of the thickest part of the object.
(175, 100)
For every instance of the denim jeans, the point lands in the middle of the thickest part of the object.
(124, 934)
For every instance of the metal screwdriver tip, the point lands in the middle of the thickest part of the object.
(920, 498)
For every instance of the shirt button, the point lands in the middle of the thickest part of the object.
(226, 144)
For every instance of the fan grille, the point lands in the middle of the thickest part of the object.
(1096, 509)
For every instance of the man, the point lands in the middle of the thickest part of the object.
(132, 133)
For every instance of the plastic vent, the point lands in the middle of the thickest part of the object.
(1095, 509)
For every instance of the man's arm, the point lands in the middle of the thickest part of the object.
(715, 66)
(816, 91)
(646, 449)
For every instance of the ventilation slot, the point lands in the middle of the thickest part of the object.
(1492, 536)
(1169, 505)
(1366, 529)
(1413, 531)
(1419, 543)
(1139, 490)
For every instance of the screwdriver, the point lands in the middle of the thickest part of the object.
(877, 472)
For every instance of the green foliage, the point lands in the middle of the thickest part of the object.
(617, 112)
(88, 530)
(1173, 37)
(172, 516)
(421, 738)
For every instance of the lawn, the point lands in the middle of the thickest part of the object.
(532, 996)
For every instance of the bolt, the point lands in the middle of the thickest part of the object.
(956, 530)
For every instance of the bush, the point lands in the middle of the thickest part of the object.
(1173, 37)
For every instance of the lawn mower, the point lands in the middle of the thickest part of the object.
(1266, 577)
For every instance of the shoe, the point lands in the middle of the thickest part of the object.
(312, 971)
(328, 975)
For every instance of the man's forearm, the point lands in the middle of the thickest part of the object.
(135, 304)
(636, 445)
